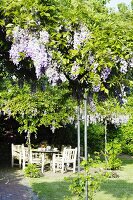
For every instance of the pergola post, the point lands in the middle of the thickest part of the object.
(105, 130)
(78, 134)
(85, 140)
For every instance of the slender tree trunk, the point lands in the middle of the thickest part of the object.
(29, 145)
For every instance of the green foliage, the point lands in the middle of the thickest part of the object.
(127, 137)
(31, 12)
(92, 174)
(52, 107)
(113, 149)
(95, 134)
(110, 35)
(110, 107)
(32, 171)
(122, 7)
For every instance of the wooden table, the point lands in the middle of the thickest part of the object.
(44, 152)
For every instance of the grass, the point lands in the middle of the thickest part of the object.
(53, 187)
(119, 188)
(51, 190)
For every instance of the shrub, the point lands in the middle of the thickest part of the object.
(32, 171)
(113, 149)
(94, 176)
(95, 137)
(127, 137)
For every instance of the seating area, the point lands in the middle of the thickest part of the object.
(59, 161)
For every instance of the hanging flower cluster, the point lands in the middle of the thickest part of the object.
(53, 74)
(112, 118)
(77, 41)
(34, 46)
(75, 70)
(27, 45)
(105, 73)
(124, 64)
(80, 36)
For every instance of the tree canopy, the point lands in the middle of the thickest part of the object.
(91, 46)
(78, 41)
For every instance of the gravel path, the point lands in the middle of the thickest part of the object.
(14, 186)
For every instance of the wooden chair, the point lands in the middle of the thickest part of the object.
(22, 155)
(16, 155)
(38, 159)
(25, 156)
(65, 161)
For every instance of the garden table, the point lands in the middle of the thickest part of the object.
(44, 152)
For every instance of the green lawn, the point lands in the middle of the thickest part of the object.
(119, 188)
(53, 187)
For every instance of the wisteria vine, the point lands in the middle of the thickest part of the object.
(35, 46)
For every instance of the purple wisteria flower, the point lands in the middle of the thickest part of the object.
(80, 36)
(44, 37)
(123, 66)
(96, 88)
(54, 75)
(34, 46)
(75, 71)
(105, 73)
(131, 63)
(30, 45)
(14, 54)
(91, 59)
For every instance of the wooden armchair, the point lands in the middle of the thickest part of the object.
(25, 156)
(16, 155)
(38, 159)
(20, 155)
(65, 161)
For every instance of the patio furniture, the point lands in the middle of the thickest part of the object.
(67, 147)
(25, 156)
(37, 158)
(16, 155)
(20, 155)
(65, 161)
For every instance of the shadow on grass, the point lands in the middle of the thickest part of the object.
(126, 159)
(52, 190)
(118, 188)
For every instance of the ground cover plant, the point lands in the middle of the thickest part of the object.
(53, 186)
